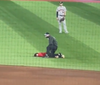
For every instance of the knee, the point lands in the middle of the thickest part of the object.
(59, 22)
(64, 23)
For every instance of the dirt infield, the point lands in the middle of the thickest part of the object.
(14, 75)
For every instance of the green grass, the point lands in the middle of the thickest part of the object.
(97, 5)
(22, 28)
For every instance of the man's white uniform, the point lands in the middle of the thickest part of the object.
(61, 14)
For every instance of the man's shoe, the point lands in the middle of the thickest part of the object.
(60, 55)
(67, 32)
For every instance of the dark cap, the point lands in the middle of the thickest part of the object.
(46, 33)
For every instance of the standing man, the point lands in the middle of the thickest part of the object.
(52, 47)
(60, 14)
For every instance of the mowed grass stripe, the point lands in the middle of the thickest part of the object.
(12, 45)
(23, 24)
(97, 5)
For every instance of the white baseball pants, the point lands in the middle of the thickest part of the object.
(60, 25)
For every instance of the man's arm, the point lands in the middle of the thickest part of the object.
(64, 13)
(57, 13)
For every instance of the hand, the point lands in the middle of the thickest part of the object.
(57, 19)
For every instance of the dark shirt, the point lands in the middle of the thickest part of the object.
(52, 41)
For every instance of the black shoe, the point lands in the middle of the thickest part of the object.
(60, 55)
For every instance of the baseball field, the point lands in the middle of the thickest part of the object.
(22, 28)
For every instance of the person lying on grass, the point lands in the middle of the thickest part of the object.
(43, 54)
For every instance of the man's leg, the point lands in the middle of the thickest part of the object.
(60, 27)
(65, 27)
(53, 50)
(52, 53)
(48, 53)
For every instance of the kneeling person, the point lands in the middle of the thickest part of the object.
(52, 47)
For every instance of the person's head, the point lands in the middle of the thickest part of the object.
(61, 4)
(47, 35)
(36, 54)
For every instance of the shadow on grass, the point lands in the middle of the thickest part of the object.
(32, 28)
(83, 10)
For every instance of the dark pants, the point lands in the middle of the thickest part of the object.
(51, 50)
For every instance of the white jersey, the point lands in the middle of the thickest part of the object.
(61, 10)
